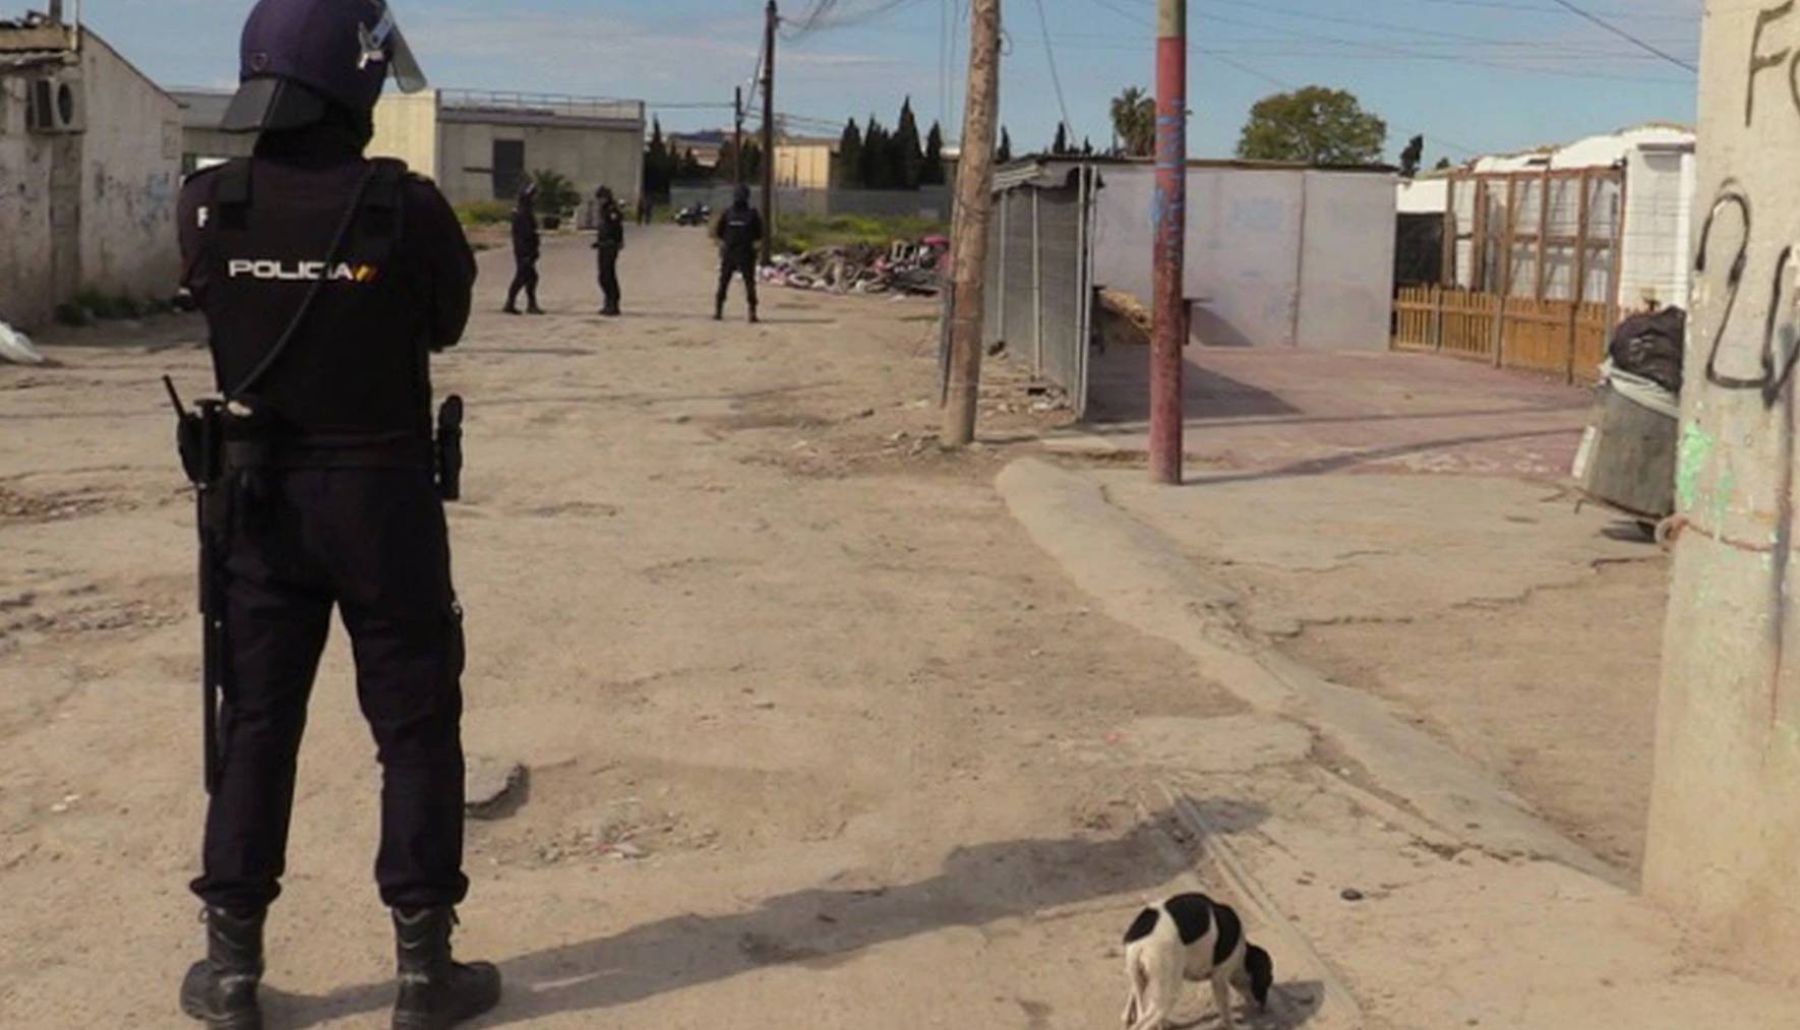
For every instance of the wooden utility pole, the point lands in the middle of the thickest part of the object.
(969, 236)
(768, 134)
(737, 138)
(1169, 306)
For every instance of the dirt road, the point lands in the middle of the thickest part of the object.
(818, 735)
(724, 604)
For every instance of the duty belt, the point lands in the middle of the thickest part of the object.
(312, 454)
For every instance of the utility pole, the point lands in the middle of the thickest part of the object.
(768, 134)
(969, 236)
(1724, 823)
(737, 139)
(1169, 306)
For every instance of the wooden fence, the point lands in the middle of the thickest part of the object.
(1554, 337)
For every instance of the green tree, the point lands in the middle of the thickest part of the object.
(691, 168)
(1060, 145)
(1443, 164)
(1411, 157)
(874, 164)
(932, 173)
(1004, 153)
(752, 161)
(557, 196)
(658, 163)
(848, 160)
(1134, 122)
(909, 156)
(1315, 126)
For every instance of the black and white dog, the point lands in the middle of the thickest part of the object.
(1190, 937)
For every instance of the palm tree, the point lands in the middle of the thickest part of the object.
(1134, 122)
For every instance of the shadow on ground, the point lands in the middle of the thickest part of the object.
(817, 928)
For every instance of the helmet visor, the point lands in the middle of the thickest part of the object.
(270, 103)
(384, 42)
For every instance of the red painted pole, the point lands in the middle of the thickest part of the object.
(1169, 305)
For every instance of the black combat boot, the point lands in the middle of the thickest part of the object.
(436, 991)
(719, 311)
(753, 317)
(220, 990)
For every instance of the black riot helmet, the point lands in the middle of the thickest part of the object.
(740, 197)
(298, 56)
(528, 194)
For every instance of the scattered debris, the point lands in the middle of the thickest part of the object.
(1351, 894)
(65, 804)
(905, 268)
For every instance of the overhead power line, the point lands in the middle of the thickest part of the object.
(1055, 77)
(1628, 37)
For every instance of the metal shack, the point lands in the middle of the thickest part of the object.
(1278, 255)
(90, 154)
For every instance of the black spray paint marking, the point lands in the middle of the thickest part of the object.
(1760, 62)
(1731, 196)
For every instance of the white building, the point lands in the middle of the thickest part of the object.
(90, 157)
(1640, 199)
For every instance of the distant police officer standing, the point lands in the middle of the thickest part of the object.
(327, 280)
(739, 230)
(525, 252)
(609, 241)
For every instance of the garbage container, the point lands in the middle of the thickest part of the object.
(1627, 457)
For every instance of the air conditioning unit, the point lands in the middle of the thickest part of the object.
(57, 106)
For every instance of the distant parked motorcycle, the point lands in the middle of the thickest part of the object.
(693, 214)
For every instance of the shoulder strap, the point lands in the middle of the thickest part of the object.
(231, 195)
(383, 205)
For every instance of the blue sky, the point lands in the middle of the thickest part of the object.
(1471, 75)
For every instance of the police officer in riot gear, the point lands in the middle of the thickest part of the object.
(739, 231)
(609, 241)
(525, 252)
(327, 280)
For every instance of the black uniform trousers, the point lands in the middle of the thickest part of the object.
(737, 263)
(372, 542)
(609, 278)
(525, 277)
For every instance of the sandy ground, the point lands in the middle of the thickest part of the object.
(721, 601)
(880, 762)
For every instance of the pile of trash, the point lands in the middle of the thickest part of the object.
(1651, 345)
(912, 269)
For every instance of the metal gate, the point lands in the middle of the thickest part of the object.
(1040, 274)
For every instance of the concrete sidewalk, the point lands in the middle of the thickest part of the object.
(1412, 884)
(1306, 412)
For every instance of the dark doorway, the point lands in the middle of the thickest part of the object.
(509, 168)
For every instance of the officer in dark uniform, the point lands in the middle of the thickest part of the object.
(609, 241)
(739, 231)
(327, 280)
(525, 252)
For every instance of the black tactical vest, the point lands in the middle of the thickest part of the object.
(355, 362)
(738, 229)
